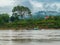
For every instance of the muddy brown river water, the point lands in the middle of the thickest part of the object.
(30, 37)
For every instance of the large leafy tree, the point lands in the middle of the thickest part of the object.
(21, 11)
(4, 18)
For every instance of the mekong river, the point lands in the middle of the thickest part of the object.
(30, 37)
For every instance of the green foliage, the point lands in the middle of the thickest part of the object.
(4, 18)
(51, 22)
(21, 11)
(16, 23)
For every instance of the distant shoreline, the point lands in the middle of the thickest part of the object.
(26, 29)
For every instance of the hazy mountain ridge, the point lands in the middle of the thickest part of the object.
(53, 13)
(42, 14)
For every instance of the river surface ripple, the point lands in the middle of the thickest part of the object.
(29, 37)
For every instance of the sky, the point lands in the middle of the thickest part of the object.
(6, 6)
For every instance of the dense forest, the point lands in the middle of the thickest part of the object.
(18, 20)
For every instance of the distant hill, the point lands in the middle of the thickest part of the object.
(42, 14)
(48, 13)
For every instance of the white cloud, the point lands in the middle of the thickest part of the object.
(37, 6)
(6, 3)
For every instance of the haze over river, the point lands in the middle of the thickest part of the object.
(30, 37)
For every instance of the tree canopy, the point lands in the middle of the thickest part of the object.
(21, 11)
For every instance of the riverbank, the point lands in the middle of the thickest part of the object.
(27, 29)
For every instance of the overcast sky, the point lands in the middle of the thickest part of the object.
(35, 5)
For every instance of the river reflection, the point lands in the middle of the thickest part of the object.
(30, 37)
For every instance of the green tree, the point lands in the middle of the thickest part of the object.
(21, 11)
(4, 18)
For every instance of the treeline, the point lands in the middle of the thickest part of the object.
(18, 20)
